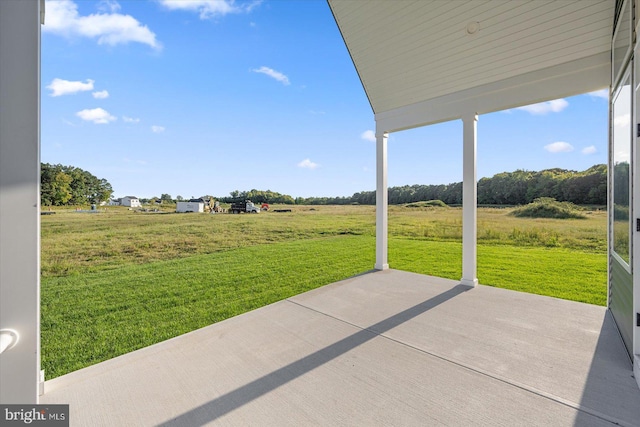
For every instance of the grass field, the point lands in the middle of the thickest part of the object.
(120, 280)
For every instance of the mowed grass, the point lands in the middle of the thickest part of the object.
(561, 273)
(93, 317)
(116, 281)
(75, 243)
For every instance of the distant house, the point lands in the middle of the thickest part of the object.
(131, 201)
(114, 202)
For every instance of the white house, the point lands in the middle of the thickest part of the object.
(131, 201)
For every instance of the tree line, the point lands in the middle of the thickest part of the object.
(258, 196)
(520, 187)
(68, 185)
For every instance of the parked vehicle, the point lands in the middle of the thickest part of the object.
(247, 207)
(194, 205)
(215, 207)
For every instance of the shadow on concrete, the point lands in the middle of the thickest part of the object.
(610, 391)
(364, 273)
(226, 403)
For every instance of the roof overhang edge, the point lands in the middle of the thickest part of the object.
(568, 79)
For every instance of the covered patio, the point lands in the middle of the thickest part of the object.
(386, 347)
(382, 348)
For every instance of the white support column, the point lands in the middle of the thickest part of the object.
(382, 202)
(469, 202)
(635, 197)
(20, 201)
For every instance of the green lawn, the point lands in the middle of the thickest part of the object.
(96, 316)
(117, 281)
(557, 272)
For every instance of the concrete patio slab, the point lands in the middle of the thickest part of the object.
(565, 350)
(371, 350)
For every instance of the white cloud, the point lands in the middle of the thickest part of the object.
(603, 93)
(130, 120)
(101, 94)
(559, 147)
(112, 28)
(97, 115)
(589, 150)
(622, 120)
(308, 164)
(273, 74)
(65, 87)
(208, 9)
(542, 108)
(368, 135)
(621, 156)
(109, 6)
(157, 129)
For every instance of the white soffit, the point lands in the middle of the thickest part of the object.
(408, 52)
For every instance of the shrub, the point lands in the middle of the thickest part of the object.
(427, 204)
(547, 207)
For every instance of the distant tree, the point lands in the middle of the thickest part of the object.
(258, 196)
(507, 188)
(522, 187)
(166, 198)
(54, 185)
(179, 198)
(60, 189)
(69, 185)
(621, 183)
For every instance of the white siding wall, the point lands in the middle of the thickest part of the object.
(20, 198)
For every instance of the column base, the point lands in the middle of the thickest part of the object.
(41, 383)
(470, 283)
(381, 267)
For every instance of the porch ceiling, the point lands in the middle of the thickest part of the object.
(412, 51)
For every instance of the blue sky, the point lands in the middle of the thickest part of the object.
(209, 96)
